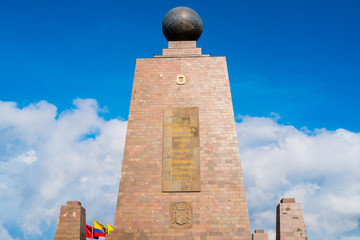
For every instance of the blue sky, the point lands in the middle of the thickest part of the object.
(293, 67)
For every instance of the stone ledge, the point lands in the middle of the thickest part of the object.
(287, 200)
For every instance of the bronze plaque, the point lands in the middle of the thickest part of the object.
(181, 150)
(181, 215)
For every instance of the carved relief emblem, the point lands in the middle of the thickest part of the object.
(181, 215)
(180, 80)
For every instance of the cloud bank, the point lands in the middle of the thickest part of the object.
(319, 168)
(48, 158)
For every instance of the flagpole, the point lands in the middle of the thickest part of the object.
(92, 231)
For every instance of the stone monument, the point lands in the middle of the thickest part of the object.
(181, 176)
(289, 221)
(71, 223)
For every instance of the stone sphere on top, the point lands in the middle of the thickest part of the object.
(182, 24)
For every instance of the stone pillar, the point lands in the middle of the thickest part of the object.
(72, 222)
(289, 221)
(181, 176)
(181, 85)
(260, 235)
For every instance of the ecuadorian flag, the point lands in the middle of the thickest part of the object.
(99, 229)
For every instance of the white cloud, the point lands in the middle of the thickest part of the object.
(271, 234)
(351, 238)
(319, 168)
(48, 158)
(28, 158)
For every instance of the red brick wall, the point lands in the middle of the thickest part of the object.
(220, 209)
(71, 223)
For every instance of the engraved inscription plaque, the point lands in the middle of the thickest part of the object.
(181, 150)
(181, 215)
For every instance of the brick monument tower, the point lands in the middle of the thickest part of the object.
(181, 176)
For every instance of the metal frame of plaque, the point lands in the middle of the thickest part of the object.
(181, 150)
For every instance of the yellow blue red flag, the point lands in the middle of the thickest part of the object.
(99, 229)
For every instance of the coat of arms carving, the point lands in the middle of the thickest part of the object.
(181, 215)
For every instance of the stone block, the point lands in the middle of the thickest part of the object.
(289, 221)
(260, 235)
(72, 222)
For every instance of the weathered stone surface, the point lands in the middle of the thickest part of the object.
(289, 221)
(71, 223)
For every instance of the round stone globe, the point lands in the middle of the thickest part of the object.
(182, 24)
